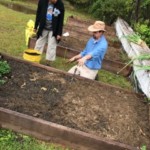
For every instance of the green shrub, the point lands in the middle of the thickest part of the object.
(108, 10)
(4, 69)
(144, 31)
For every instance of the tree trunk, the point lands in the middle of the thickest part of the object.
(137, 9)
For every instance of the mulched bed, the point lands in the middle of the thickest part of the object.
(85, 105)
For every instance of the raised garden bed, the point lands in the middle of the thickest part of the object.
(84, 34)
(75, 21)
(114, 51)
(105, 111)
(108, 64)
(73, 42)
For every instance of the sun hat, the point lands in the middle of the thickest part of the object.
(97, 26)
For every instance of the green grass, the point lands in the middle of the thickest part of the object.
(124, 57)
(14, 141)
(12, 31)
(113, 79)
(27, 4)
(69, 10)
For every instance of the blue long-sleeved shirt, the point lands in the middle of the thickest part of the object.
(97, 50)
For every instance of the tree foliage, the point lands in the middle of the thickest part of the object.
(109, 10)
(144, 30)
(135, 12)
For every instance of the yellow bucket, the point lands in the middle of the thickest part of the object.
(32, 55)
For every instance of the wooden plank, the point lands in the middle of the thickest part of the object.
(83, 31)
(19, 128)
(51, 69)
(49, 131)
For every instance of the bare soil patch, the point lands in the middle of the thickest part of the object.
(85, 105)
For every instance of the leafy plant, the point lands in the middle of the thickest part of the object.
(144, 31)
(108, 10)
(135, 38)
(4, 69)
(143, 147)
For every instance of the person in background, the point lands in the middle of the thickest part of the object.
(49, 25)
(90, 59)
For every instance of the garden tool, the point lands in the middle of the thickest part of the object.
(73, 76)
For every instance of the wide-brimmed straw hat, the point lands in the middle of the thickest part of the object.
(97, 26)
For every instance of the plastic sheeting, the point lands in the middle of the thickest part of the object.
(133, 50)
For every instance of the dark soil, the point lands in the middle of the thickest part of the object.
(85, 105)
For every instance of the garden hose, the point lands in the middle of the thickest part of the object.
(140, 57)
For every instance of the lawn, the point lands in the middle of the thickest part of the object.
(10, 140)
